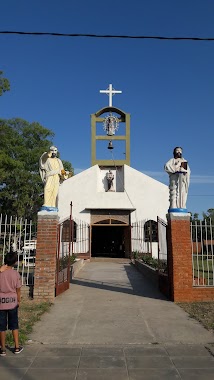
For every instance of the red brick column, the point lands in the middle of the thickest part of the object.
(179, 257)
(180, 262)
(45, 269)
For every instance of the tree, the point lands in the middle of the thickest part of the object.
(21, 145)
(68, 166)
(209, 214)
(194, 218)
(4, 84)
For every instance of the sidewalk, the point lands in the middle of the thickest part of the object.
(112, 324)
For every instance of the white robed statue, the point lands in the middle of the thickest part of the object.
(179, 178)
(52, 173)
(110, 178)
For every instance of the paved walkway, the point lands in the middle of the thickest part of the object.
(112, 324)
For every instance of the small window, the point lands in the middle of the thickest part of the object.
(67, 228)
(151, 231)
(114, 221)
(104, 221)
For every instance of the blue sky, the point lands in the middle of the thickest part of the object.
(167, 86)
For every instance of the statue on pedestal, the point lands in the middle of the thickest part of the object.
(110, 178)
(52, 174)
(179, 178)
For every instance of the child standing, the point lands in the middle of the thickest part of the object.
(10, 295)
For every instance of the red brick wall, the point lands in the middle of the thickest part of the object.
(180, 262)
(45, 269)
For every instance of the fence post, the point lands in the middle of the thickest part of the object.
(45, 268)
(179, 257)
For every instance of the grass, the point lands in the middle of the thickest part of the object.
(29, 313)
(203, 269)
(202, 312)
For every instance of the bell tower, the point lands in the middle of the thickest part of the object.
(104, 126)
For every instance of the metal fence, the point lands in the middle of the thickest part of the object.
(63, 252)
(144, 237)
(18, 234)
(202, 233)
(138, 241)
(75, 233)
(81, 237)
(162, 240)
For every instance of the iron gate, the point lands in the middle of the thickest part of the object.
(163, 278)
(63, 256)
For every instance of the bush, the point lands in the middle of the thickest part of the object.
(161, 265)
(63, 261)
(149, 260)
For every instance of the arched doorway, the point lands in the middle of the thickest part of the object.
(110, 233)
(108, 241)
(110, 238)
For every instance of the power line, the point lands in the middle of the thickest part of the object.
(106, 36)
(201, 195)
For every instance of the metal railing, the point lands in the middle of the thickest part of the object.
(138, 243)
(15, 234)
(81, 237)
(162, 245)
(144, 237)
(202, 233)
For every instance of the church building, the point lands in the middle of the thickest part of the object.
(114, 206)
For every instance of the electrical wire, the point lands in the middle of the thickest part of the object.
(201, 195)
(54, 34)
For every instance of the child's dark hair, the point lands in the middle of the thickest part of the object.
(10, 258)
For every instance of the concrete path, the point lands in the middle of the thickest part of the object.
(112, 324)
(111, 303)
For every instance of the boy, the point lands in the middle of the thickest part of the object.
(10, 294)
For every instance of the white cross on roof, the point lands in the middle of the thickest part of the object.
(110, 92)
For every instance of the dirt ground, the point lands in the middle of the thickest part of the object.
(202, 312)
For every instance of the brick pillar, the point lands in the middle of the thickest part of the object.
(179, 257)
(45, 269)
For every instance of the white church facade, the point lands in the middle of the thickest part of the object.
(118, 209)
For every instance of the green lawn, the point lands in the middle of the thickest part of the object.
(204, 267)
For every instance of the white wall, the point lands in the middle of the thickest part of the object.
(148, 196)
(88, 190)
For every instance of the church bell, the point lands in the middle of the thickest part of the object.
(110, 145)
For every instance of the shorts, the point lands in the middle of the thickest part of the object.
(9, 319)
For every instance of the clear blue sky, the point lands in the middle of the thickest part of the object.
(167, 86)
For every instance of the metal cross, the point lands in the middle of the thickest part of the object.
(110, 92)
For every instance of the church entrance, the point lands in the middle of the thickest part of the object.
(109, 241)
(110, 233)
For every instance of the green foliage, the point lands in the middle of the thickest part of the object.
(63, 261)
(135, 255)
(209, 215)
(68, 166)
(4, 84)
(73, 259)
(149, 260)
(161, 265)
(199, 232)
(194, 217)
(21, 145)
